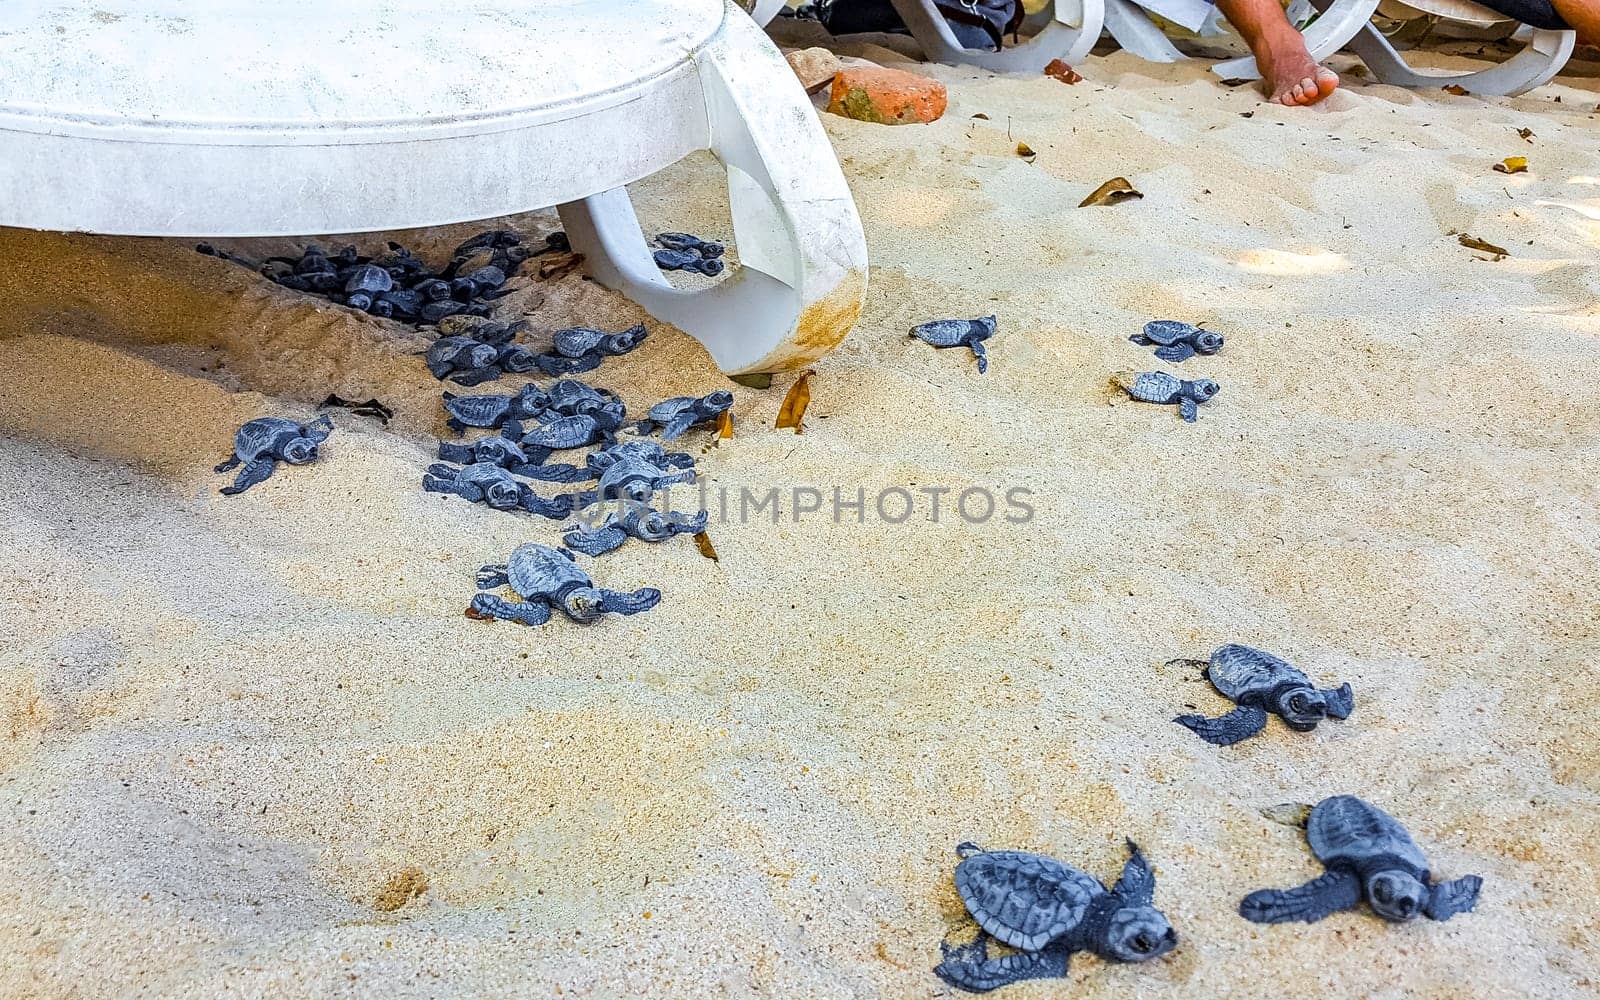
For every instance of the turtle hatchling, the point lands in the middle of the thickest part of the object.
(463, 360)
(547, 578)
(678, 414)
(561, 433)
(959, 333)
(1160, 387)
(1258, 683)
(637, 521)
(494, 450)
(687, 260)
(265, 441)
(482, 482)
(1176, 341)
(1368, 855)
(1048, 910)
(494, 411)
(637, 479)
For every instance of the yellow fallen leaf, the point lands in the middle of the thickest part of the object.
(1512, 165)
(724, 425)
(1112, 191)
(708, 550)
(794, 405)
(1025, 151)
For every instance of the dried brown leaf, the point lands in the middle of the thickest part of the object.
(1526, 133)
(794, 405)
(1025, 151)
(1512, 165)
(724, 425)
(1117, 189)
(1473, 243)
(756, 380)
(981, 116)
(703, 541)
(559, 266)
(1456, 89)
(1061, 71)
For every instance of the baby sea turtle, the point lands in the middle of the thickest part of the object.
(494, 450)
(685, 260)
(1177, 341)
(560, 433)
(493, 411)
(1368, 855)
(636, 479)
(643, 450)
(1048, 910)
(463, 360)
(691, 244)
(577, 341)
(1159, 387)
(547, 578)
(1258, 683)
(636, 521)
(678, 414)
(265, 441)
(485, 483)
(365, 283)
(959, 333)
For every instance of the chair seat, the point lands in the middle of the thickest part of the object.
(159, 69)
(1464, 11)
(252, 118)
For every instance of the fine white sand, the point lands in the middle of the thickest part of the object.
(238, 732)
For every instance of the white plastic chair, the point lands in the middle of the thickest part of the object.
(1067, 31)
(1541, 59)
(302, 117)
(1340, 21)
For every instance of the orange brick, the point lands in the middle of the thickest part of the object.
(886, 96)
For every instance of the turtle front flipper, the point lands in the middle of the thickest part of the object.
(1239, 724)
(968, 967)
(1341, 701)
(597, 542)
(560, 473)
(1176, 353)
(250, 475)
(434, 484)
(982, 354)
(1137, 886)
(521, 612)
(619, 603)
(493, 575)
(1189, 410)
(230, 462)
(461, 454)
(470, 377)
(554, 508)
(1446, 899)
(1325, 894)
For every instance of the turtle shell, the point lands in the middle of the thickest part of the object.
(576, 341)
(1344, 831)
(1024, 900)
(478, 411)
(1241, 671)
(1169, 331)
(565, 432)
(569, 395)
(262, 436)
(664, 411)
(460, 351)
(540, 571)
(1151, 387)
(369, 278)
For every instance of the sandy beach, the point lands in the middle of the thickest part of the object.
(252, 747)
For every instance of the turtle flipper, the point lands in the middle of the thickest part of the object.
(1446, 899)
(459, 453)
(319, 429)
(1325, 894)
(560, 473)
(1189, 410)
(1341, 701)
(554, 508)
(250, 475)
(968, 967)
(521, 612)
(619, 603)
(470, 377)
(982, 354)
(493, 575)
(1137, 886)
(678, 424)
(229, 463)
(1175, 353)
(1239, 724)
(595, 543)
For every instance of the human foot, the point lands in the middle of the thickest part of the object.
(1289, 73)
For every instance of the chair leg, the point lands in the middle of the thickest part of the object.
(1341, 21)
(1136, 33)
(1069, 36)
(803, 259)
(1546, 53)
(763, 11)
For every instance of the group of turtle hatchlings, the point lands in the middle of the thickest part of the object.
(1045, 910)
(1040, 908)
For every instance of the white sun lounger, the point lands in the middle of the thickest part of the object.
(1066, 32)
(302, 117)
(1545, 53)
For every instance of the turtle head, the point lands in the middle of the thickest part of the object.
(718, 402)
(482, 355)
(1137, 934)
(582, 604)
(504, 494)
(1301, 706)
(300, 450)
(1396, 895)
(359, 300)
(1203, 389)
(1206, 342)
(654, 526)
